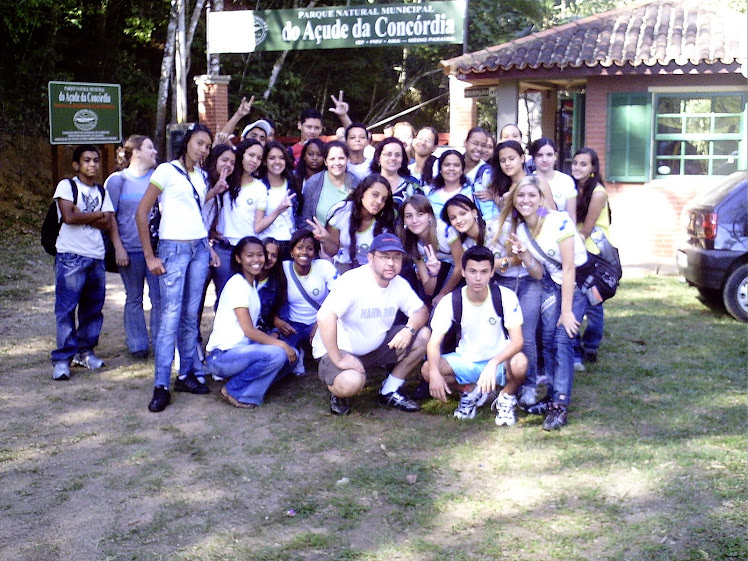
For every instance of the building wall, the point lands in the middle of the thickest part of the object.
(646, 217)
(598, 88)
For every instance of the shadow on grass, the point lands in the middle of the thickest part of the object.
(650, 467)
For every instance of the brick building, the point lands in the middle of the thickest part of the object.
(657, 88)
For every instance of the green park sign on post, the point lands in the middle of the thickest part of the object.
(82, 113)
(343, 27)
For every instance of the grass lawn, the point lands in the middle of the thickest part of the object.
(651, 467)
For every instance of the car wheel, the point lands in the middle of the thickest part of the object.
(735, 294)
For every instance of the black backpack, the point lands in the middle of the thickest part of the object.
(52, 223)
(452, 337)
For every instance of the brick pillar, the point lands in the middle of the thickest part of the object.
(463, 113)
(213, 100)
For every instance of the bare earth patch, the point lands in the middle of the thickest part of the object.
(87, 473)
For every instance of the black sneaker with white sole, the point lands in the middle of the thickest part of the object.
(397, 400)
(556, 417)
(190, 384)
(340, 405)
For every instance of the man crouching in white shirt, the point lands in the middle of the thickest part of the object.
(356, 331)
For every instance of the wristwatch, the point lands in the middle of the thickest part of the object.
(412, 331)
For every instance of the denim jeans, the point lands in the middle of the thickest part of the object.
(593, 333)
(222, 274)
(133, 277)
(558, 347)
(298, 339)
(250, 367)
(181, 292)
(80, 283)
(529, 292)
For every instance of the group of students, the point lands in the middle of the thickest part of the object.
(349, 250)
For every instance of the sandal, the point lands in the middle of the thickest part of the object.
(228, 398)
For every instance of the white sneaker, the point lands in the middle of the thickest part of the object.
(88, 360)
(467, 407)
(504, 406)
(579, 366)
(528, 396)
(485, 398)
(61, 371)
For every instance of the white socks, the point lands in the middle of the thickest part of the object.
(391, 384)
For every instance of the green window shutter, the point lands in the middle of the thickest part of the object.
(629, 136)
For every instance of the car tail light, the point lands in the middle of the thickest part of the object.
(706, 229)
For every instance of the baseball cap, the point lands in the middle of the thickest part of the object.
(261, 124)
(386, 242)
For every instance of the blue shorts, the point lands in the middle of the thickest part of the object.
(467, 372)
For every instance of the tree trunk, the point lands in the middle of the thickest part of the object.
(194, 20)
(274, 74)
(281, 59)
(167, 63)
(214, 59)
(180, 62)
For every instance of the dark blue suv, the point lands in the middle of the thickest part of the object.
(713, 257)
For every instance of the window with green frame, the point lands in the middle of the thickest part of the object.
(699, 133)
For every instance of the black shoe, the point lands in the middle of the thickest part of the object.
(161, 398)
(340, 405)
(190, 384)
(421, 392)
(140, 355)
(556, 417)
(589, 356)
(398, 401)
(540, 408)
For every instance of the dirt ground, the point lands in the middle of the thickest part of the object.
(648, 468)
(87, 473)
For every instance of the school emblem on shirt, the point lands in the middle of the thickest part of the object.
(551, 252)
(492, 320)
(365, 246)
(250, 201)
(315, 291)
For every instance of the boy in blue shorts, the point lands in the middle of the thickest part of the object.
(488, 352)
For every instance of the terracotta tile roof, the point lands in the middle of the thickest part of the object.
(648, 33)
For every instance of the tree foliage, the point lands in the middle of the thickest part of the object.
(123, 42)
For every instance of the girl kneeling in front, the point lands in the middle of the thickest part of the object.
(252, 360)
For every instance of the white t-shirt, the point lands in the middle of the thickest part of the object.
(499, 250)
(181, 218)
(487, 208)
(563, 188)
(317, 285)
(365, 310)
(81, 239)
(238, 293)
(237, 219)
(439, 197)
(557, 227)
(284, 225)
(481, 333)
(340, 219)
(360, 170)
